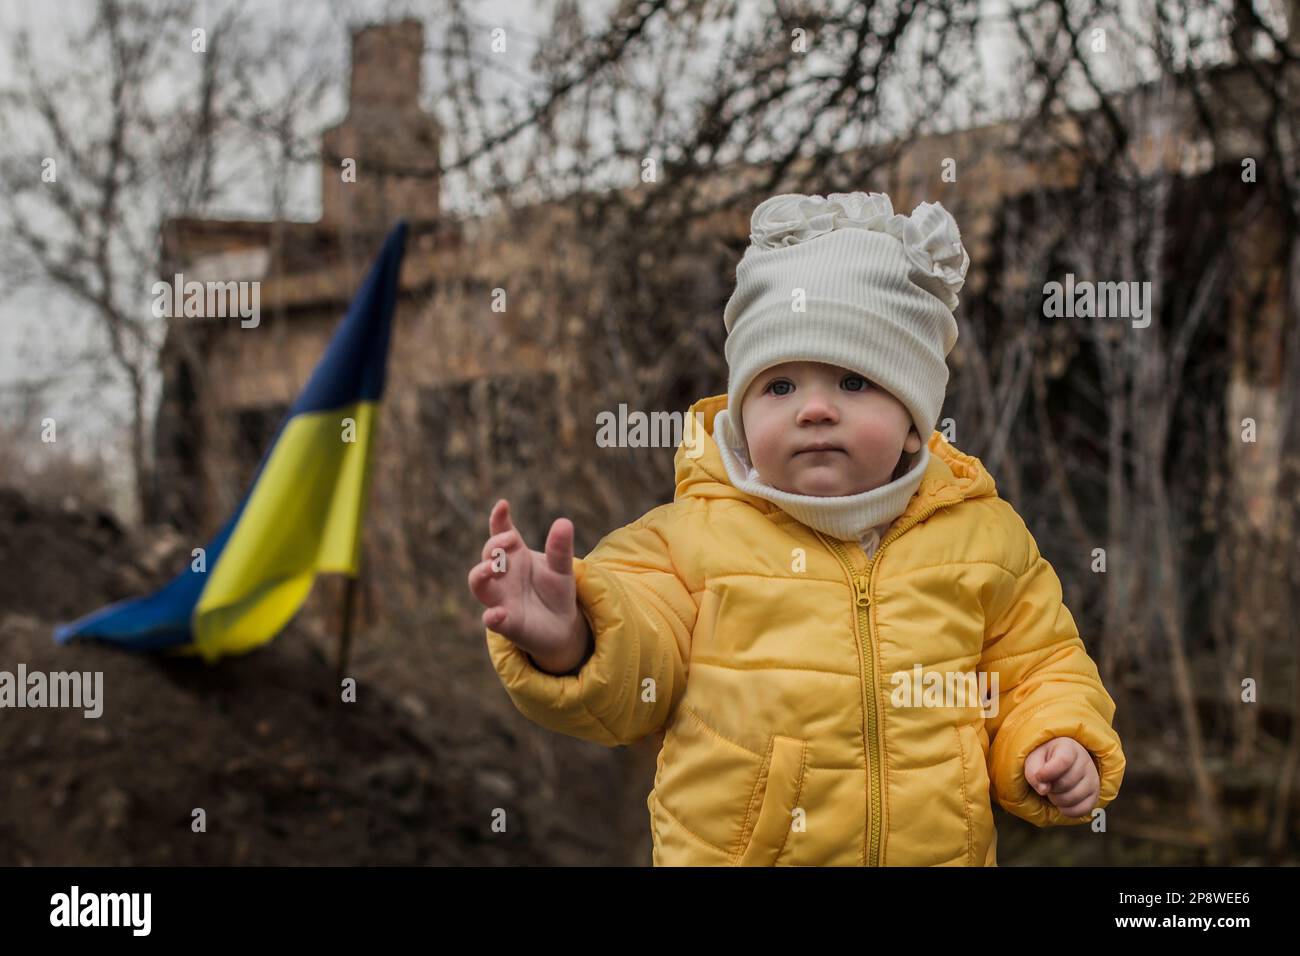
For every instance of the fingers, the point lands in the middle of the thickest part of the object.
(1075, 791)
(1077, 800)
(1032, 765)
(1059, 760)
(504, 534)
(499, 523)
(508, 541)
(499, 519)
(481, 580)
(1077, 806)
(559, 546)
(1076, 774)
(483, 585)
(1055, 760)
(1083, 809)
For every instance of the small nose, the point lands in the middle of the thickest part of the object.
(817, 407)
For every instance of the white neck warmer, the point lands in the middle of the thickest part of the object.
(862, 518)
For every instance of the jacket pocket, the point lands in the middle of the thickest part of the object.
(777, 791)
(975, 775)
(704, 785)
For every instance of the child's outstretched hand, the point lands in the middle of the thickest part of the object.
(531, 597)
(1063, 770)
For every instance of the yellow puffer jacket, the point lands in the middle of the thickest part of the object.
(789, 744)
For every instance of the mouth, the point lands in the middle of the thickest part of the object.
(820, 447)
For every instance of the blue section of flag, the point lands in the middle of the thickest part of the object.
(352, 369)
(158, 621)
(354, 364)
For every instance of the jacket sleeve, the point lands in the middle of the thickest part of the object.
(642, 614)
(1047, 687)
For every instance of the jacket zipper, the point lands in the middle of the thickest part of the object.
(867, 642)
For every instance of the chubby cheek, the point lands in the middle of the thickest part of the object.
(876, 439)
(764, 443)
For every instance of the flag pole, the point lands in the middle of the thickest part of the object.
(345, 627)
(350, 589)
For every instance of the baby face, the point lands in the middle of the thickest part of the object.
(793, 406)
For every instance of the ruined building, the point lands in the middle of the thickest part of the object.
(453, 357)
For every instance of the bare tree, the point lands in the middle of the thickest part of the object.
(92, 165)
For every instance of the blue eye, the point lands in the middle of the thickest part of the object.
(774, 383)
(857, 378)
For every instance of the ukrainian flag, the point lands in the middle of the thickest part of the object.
(301, 516)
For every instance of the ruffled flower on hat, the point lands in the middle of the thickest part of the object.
(929, 235)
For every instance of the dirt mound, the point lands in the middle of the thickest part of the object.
(285, 771)
(414, 772)
(51, 557)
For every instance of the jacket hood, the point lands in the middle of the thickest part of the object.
(699, 472)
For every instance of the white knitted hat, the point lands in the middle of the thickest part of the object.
(877, 292)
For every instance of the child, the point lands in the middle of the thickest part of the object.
(818, 563)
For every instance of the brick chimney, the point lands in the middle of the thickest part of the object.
(394, 143)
